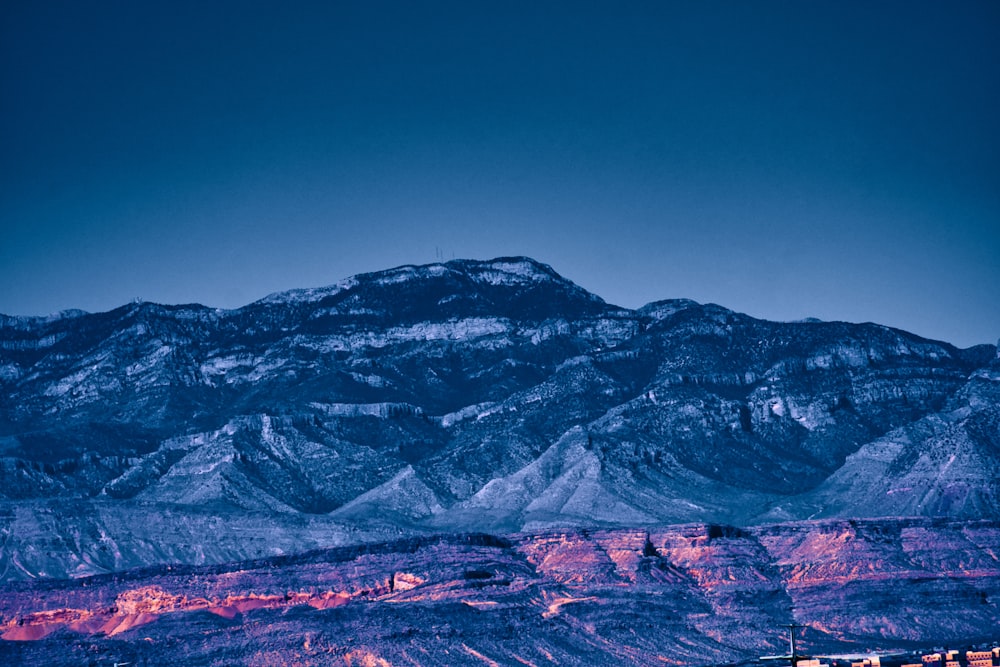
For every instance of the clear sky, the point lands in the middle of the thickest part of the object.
(785, 159)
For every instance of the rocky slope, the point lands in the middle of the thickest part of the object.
(467, 396)
(694, 594)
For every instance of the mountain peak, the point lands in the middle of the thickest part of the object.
(516, 271)
(513, 271)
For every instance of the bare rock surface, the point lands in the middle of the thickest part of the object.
(692, 594)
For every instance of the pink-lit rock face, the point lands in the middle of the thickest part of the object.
(692, 594)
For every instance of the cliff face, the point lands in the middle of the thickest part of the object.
(692, 594)
(467, 396)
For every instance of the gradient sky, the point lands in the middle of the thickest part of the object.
(785, 159)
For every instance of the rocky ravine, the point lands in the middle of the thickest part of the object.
(692, 594)
(469, 396)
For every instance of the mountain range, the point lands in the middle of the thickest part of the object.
(480, 462)
(466, 396)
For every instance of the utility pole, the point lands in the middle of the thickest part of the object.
(792, 627)
(793, 655)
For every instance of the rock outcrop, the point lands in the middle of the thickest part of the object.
(696, 594)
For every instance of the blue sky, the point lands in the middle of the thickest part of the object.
(784, 159)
